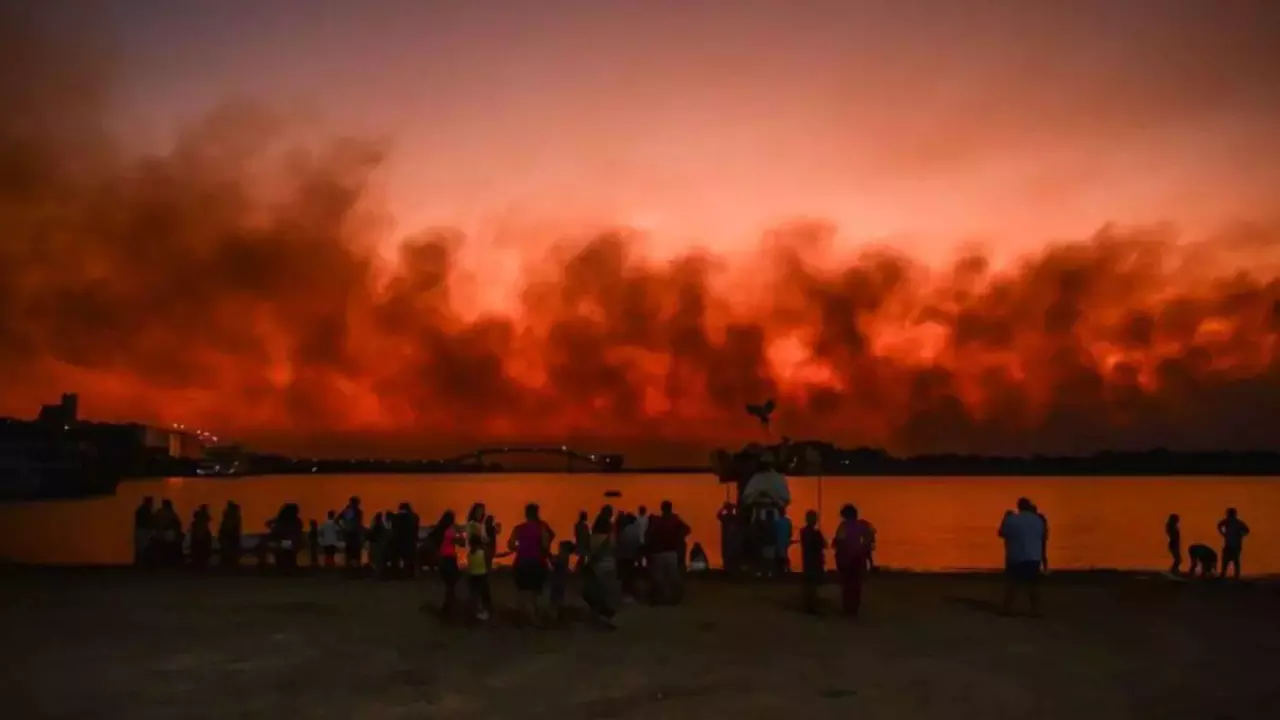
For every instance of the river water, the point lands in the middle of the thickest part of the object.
(923, 523)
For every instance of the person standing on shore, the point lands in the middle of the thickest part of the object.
(143, 530)
(642, 526)
(813, 550)
(1044, 540)
(351, 521)
(1233, 531)
(600, 587)
(531, 543)
(329, 539)
(444, 538)
(1174, 533)
(581, 539)
(168, 526)
(665, 538)
(492, 529)
(404, 526)
(1023, 534)
(201, 537)
(229, 530)
(478, 544)
(851, 544)
(629, 544)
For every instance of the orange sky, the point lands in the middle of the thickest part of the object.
(937, 129)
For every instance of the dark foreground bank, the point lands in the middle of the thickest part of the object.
(115, 643)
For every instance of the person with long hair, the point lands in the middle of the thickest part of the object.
(851, 543)
(444, 539)
(492, 529)
(628, 552)
(285, 536)
(531, 543)
(478, 543)
(600, 572)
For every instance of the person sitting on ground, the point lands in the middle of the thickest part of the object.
(813, 561)
(329, 539)
(1233, 531)
(1203, 558)
(698, 560)
(1023, 535)
(1174, 533)
(559, 580)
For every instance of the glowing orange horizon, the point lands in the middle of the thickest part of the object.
(884, 218)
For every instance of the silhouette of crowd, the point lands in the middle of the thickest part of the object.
(616, 556)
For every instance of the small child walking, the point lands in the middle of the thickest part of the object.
(813, 548)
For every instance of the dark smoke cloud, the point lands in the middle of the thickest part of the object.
(233, 282)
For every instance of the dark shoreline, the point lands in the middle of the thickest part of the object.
(120, 643)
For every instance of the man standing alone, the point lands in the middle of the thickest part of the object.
(1233, 531)
(1023, 533)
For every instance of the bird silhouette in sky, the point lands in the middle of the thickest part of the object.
(762, 411)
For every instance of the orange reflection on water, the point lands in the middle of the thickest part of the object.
(923, 523)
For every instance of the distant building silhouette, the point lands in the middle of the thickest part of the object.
(64, 414)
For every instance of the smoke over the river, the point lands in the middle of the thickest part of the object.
(234, 284)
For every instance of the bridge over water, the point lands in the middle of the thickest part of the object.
(605, 462)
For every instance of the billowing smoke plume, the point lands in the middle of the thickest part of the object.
(234, 284)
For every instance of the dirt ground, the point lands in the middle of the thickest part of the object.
(84, 643)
